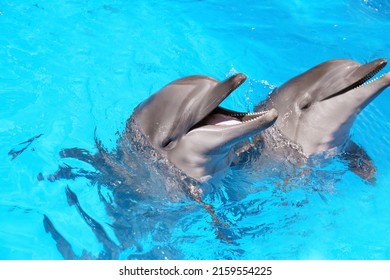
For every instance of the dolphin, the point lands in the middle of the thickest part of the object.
(181, 126)
(185, 123)
(318, 108)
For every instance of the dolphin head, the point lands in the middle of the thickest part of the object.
(317, 108)
(184, 122)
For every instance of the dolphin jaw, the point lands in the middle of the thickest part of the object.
(222, 118)
(367, 79)
(383, 76)
(218, 117)
(378, 65)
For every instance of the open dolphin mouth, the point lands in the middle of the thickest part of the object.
(363, 74)
(200, 110)
(224, 117)
(220, 117)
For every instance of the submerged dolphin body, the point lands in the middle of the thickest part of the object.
(317, 108)
(184, 122)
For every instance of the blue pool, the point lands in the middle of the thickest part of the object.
(73, 71)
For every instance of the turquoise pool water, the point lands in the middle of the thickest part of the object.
(73, 69)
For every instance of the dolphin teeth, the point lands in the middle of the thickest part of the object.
(370, 81)
(253, 116)
(367, 79)
(240, 117)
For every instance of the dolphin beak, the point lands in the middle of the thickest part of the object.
(220, 92)
(251, 127)
(361, 75)
(228, 125)
(369, 70)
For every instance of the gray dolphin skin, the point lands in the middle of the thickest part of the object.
(184, 122)
(317, 108)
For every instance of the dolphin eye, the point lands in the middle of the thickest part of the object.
(305, 104)
(167, 144)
